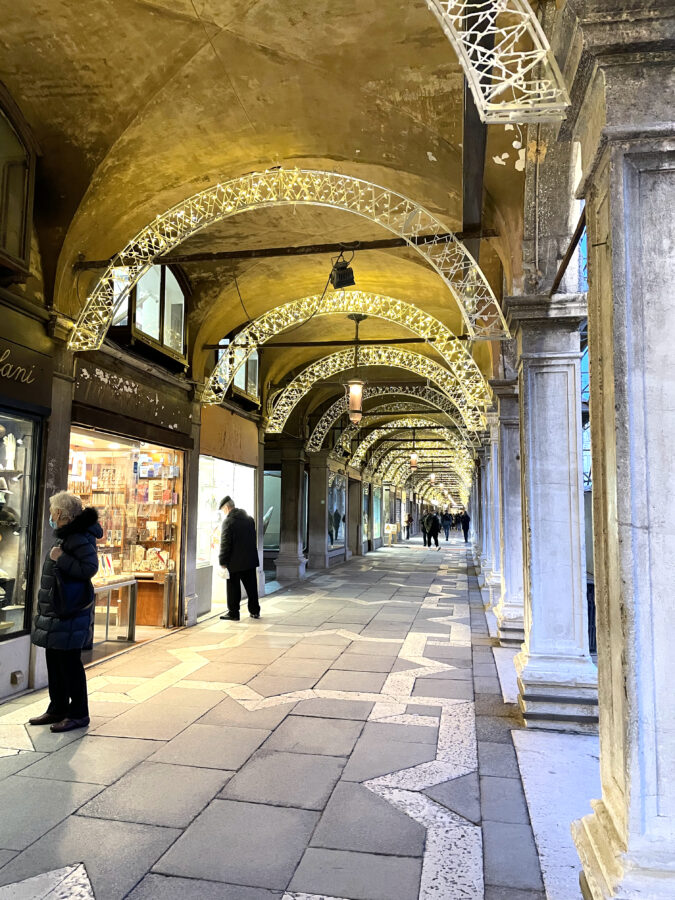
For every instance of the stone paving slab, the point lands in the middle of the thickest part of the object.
(253, 844)
(358, 876)
(279, 778)
(185, 791)
(116, 855)
(164, 887)
(94, 759)
(307, 734)
(224, 747)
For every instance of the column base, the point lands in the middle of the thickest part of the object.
(510, 623)
(290, 568)
(609, 871)
(558, 693)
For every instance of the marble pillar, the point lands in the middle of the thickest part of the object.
(556, 677)
(291, 562)
(627, 843)
(484, 550)
(494, 577)
(510, 606)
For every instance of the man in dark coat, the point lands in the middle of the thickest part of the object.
(465, 521)
(433, 525)
(239, 555)
(63, 624)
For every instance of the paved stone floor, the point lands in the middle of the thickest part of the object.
(353, 743)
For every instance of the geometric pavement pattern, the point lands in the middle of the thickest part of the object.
(328, 751)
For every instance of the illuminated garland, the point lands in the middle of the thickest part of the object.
(329, 366)
(407, 422)
(294, 187)
(506, 57)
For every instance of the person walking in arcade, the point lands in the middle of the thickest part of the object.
(239, 555)
(64, 621)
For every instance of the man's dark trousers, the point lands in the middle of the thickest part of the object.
(249, 578)
(466, 534)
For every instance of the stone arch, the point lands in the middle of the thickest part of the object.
(379, 306)
(328, 366)
(274, 187)
(404, 423)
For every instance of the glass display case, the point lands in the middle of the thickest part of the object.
(137, 489)
(272, 510)
(336, 507)
(18, 443)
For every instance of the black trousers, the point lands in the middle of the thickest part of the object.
(67, 684)
(249, 579)
(433, 537)
(425, 537)
(407, 532)
(466, 535)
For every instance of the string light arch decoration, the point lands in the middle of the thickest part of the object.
(400, 215)
(453, 351)
(387, 456)
(507, 60)
(351, 432)
(393, 465)
(408, 422)
(425, 393)
(400, 473)
(328, 367)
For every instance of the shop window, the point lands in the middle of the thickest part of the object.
(17, 175)
(137, 489)
(152, 313)
(272, 510)
(377, 513)
(217, 479)
(337, 506)
(18, 443)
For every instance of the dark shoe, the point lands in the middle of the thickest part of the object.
(70, 724)
(231, 618)
(255, 615)
(45, 719)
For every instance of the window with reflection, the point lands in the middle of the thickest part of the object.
(246, 376)
(152, 312)
(336, 507)
(17, 173)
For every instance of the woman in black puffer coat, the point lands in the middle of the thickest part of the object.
(64, 621)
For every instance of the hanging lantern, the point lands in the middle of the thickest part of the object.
(432, 477)
(413, 460)
(355, 400)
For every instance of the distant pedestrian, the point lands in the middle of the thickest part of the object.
(64, 621)
(446, 522)
(239, 555)
(433, 526)
(408, 526)
(423, 529)
(465, 521)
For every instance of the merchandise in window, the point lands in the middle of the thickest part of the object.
(18, 442)
(137, 489)
(272, 510)
(337, 505)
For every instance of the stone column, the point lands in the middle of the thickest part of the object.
(510, 606)
(291, 562)
(483, 553)
(318, 493)
(627, 844)
(556, 677)
(494, 577)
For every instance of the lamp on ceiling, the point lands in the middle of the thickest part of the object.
(355, 400)
(342, 274)
(413, 455)
(432, 477)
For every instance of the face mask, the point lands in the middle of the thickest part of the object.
(52, 523)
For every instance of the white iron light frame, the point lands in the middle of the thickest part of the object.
(378, 355)
(270, 324)
(295, 187)
(507, 60)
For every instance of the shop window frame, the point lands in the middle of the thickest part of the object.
(131, 333)
(33, 531)
(17, 268)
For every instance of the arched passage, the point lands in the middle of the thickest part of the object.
(409, 423)
(395, 212)
(400, 312)
(329, 366)
(426, 394)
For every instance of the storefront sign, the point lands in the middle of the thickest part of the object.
(25, 376)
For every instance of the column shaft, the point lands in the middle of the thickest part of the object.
(291, 563)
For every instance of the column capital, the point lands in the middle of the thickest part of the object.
(506, 392)
(540, 310)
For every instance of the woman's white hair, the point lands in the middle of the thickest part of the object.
(69, 504)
